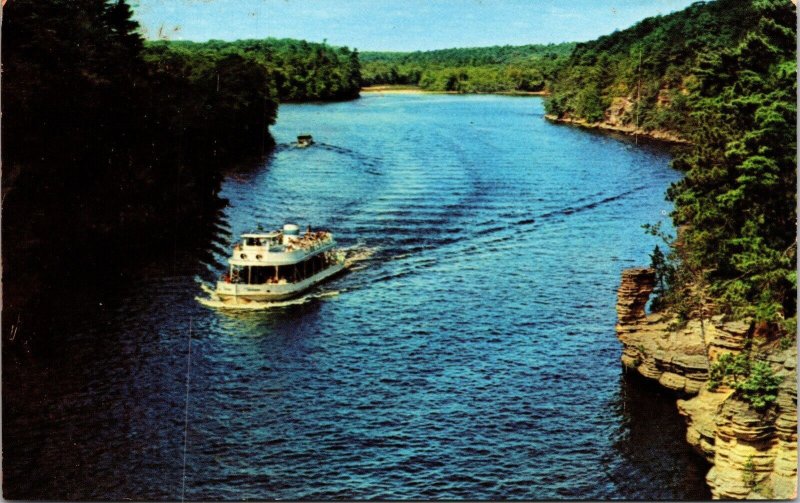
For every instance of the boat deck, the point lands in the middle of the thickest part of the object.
(261, 249)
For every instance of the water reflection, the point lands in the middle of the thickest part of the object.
(655, 463)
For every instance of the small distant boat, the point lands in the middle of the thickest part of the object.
(304, 140)
(277, 265)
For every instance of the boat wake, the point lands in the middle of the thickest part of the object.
(357, 255)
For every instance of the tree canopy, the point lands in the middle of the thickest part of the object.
(471, 70)
(723, 76)
(737, 202)
(296, 70)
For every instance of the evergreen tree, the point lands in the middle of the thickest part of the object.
(737, 201)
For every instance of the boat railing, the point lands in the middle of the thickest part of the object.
(307, 243)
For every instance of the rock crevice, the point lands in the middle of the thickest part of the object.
(753, 453)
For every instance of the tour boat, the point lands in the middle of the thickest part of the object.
(277, 265)
(304, 140)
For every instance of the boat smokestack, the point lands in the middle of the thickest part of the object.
(290, 231)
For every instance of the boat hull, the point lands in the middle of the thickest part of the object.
(235, 293)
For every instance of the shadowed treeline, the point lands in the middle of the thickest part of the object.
(113, 146)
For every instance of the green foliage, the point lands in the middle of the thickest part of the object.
(647, 69)
(737, 201)
(79, 66)
(749, 474)
(294, 70)
(753, 380)
(721, 74)
(215, 102)
(728, 369)
(665, 275)
(677, 286)
(789, 327)
(760, 388)
(473, 70)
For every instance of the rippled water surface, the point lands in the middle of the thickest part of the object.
(472, 353)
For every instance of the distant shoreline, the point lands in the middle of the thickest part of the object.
(660, 135)
(404, 89)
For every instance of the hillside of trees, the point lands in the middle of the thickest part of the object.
(296, 70)
(113, 147)
(642, 75)
(473, 70)
(737, 202)
(724, 76)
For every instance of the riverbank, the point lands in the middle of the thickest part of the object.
(753, 453)
(403, 89)
(666, 136)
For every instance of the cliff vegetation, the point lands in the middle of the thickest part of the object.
(722, 76)
(642, 77)
(723, 326)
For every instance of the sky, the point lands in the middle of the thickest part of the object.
(397, 25)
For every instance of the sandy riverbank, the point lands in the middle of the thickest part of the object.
(402, 90)
(387, 89)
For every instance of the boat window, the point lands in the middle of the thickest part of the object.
(303, 269)
(286, 272)
(259, 275)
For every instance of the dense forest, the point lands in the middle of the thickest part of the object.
(723, 76)
(295, 70)
(474, 70)
(737, 202)
(642, 75)
(113, 146)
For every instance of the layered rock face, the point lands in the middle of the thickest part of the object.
(677, 359)
(754, 454)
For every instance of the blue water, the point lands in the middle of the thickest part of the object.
(471, 355)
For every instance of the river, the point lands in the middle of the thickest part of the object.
(471, 354)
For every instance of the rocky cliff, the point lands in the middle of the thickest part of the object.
(753, 453)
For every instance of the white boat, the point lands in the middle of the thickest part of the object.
(277, 265)
(304, 140)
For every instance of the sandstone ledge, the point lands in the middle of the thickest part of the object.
(753, 454)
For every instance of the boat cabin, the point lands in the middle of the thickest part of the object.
(267, 239)
(280, 274)
(304, 140)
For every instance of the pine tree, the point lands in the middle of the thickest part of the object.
(737, 201)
